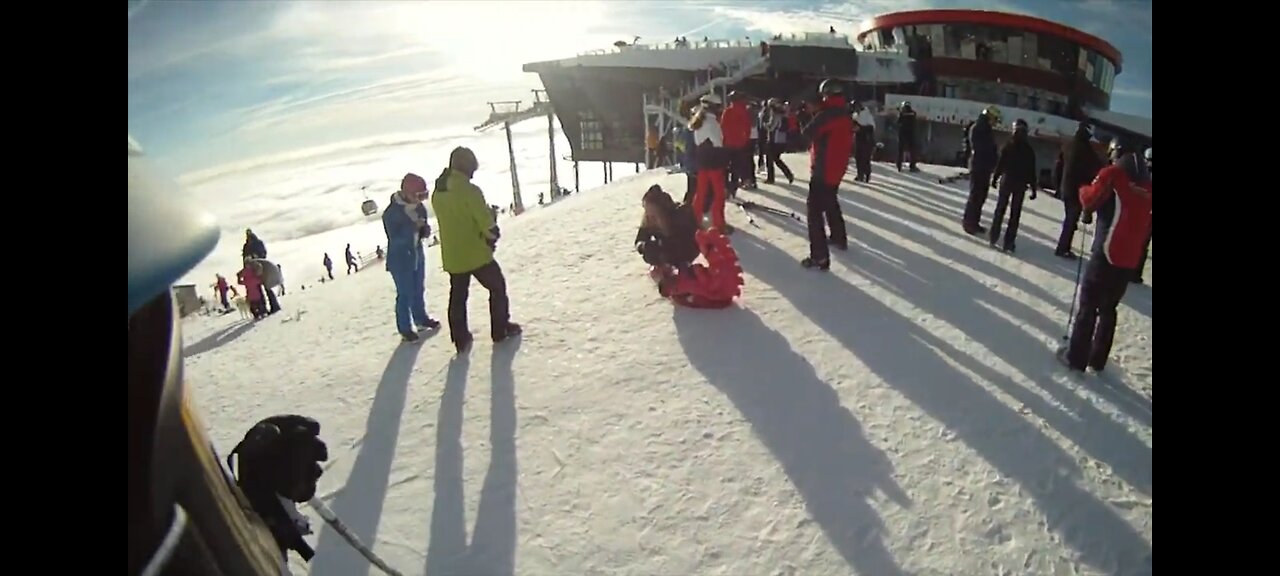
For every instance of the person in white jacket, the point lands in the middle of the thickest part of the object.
(713, 158)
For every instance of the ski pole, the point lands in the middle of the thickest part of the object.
(1075, 293)
(332, 520)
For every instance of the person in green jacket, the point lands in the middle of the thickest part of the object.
(468, 237)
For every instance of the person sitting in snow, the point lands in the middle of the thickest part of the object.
(666, 235)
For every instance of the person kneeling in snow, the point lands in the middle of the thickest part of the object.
(666, 235)
(669, 240)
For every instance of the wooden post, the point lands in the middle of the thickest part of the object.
(576, 185)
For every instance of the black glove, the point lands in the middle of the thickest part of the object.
(280, 456)
(493, 242)
(1088, 217)
(652, 253)
(1033, 193)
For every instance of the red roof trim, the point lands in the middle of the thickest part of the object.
(990, 18)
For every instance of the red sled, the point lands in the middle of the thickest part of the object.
(713, 285)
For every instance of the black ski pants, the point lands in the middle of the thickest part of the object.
(824, 206)
(490, 276)
(1094, 327)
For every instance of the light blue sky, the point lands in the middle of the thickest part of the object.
(217, 82)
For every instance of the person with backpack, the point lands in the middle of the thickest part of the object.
(1121, 197)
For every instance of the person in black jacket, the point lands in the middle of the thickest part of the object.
(981, 164)
(1015, 171)
(253, 246)
(907, 136)
(1079, 166)
(666, 235)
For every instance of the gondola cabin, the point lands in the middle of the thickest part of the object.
(369, 207)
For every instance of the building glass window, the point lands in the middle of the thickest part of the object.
(1033, 103)
(949, 91)
(1011, 98)
(592, 134)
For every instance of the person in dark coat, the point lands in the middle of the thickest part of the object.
(981, 164)
(907, 136)
(1079, 165)
(666, 234)
(1015, 171)
(253, 246)
(1146, 248)
(328, 265)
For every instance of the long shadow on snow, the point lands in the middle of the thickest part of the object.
(1124, 397)
(799, 418)
(954, 228)
(909, 358)
(492, 551)
(360, 502)
(217, 339)
(952, 202)
(959, 300)
(867, 211)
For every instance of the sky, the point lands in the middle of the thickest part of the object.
(217, 84)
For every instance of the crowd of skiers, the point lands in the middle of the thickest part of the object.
(468, 237)
(717, 153)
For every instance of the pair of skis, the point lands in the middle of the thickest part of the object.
(748, 206)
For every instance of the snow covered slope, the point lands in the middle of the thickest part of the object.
(902, 413)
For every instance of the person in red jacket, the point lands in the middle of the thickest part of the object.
(735, 122)
(1121, 197)
(830, 136)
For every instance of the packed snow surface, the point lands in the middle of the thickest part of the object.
(900, 414)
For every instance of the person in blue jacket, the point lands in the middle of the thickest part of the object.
(405, 222)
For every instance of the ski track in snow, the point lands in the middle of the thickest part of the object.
(901, 414)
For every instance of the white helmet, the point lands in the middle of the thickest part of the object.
(710, 99)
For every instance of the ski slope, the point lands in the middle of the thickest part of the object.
(902, 413)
